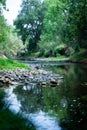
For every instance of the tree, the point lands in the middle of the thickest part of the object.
(75, 28)
(53, 22)
(65, 22)
(3, 26)
(29, 22)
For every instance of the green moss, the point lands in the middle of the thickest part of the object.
(11, 64)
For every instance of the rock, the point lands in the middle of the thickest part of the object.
(60, 77)
(31, 77)
(53, 81)
(14, 83)
(35, 75)
(2, 79)
(43, 83)
(37, 67)
(6, 81)
(12, 79)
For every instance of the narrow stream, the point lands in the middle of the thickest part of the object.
(63, 107)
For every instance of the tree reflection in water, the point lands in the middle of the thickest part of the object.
(67, 102)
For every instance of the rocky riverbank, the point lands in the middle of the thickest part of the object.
(35, 75)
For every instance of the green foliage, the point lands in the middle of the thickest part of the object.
(3, 26)
(80, 56)
(10, 64)
(65, 22)
(12, 44)
(2, 29)
(74, 30)
(29, 22)
(58, 49)
(53, 21)
(9, 42)
(46, 25)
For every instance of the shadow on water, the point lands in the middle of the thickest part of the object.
(63, 107)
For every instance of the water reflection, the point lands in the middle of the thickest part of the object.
(11, 101)
(43, 121)
(64, 105)
(31, 106)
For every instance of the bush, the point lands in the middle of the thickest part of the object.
(58, 49)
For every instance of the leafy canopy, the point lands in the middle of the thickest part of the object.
(29, 22)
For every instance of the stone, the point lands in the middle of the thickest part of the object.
(60, 77)
(43, 83)
(35, 75)
(2, 79)
(37, 67)
(53, 81)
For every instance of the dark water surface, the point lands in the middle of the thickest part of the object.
(63, 107)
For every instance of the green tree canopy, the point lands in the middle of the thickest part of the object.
(3, 26)
(53, 23)
(29, 22)
(75, 28)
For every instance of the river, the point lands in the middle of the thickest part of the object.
(63, 107)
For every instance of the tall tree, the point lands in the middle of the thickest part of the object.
(75, 28)
(53, 22)
(29, 22)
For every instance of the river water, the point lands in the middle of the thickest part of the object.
(63, 107)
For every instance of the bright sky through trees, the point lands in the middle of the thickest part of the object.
(14, 7)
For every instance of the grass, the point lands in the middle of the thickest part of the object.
(11, 64)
